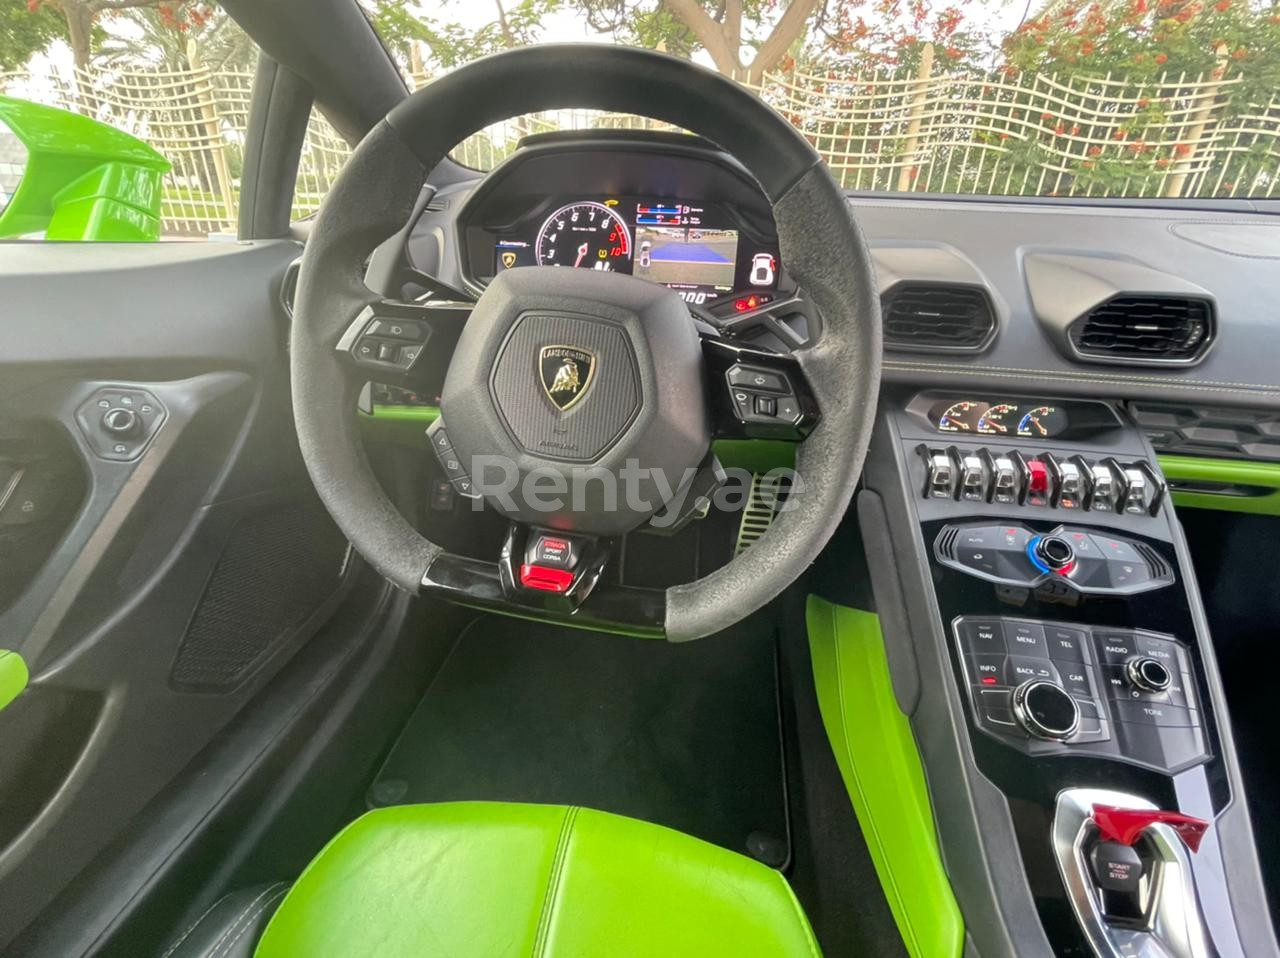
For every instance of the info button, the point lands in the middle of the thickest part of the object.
(1026, 638)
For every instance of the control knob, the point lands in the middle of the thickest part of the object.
(1053, 554)
(121, 423)
(1045, 710)
(1148, 674)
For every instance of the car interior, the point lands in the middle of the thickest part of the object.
(805, 572)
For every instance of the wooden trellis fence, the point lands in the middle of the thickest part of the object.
(929, 131)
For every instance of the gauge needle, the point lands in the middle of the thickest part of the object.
(582, 251)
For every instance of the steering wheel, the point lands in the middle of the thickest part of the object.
(649, 389)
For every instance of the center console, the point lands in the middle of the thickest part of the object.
(1045, 636)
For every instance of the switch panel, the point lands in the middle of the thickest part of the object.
(1041, 480)
(1134, 690)
(118, 422)
(1090, 562)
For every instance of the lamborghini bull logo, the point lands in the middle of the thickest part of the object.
(565, 373)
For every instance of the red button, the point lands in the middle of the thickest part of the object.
(1037, 477)
(545, 578)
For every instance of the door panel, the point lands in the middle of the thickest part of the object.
(153, 576)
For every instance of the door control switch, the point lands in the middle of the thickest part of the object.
(973, 478)
(1136, 492)
(1071, 485)
(940, 474)
(1005, 480)
(1102, 497)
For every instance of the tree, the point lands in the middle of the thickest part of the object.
(194, 36)
(82, 15)
(724, 29)
(403, 29)
(1147, 38)
(24, 32)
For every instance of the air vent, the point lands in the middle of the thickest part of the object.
(930, 317)
(1145, 329)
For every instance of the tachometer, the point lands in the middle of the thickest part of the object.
(997, 419)
(586, 235)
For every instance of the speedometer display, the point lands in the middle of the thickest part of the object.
(586, 235)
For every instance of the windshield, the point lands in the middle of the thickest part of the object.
(1120, 98)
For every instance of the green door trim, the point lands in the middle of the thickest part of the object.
(13, 676)
(1232, 472)
(878, 759)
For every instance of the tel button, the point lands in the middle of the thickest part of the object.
(1066, 645)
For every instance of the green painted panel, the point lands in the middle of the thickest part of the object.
(1235, 471)
(83, 180)
(755, 455)
(878, 760)
(13, 676)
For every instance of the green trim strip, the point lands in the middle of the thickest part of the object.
(878, 760)
(13, 676)
(1232, 471)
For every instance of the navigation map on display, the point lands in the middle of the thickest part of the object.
(686, 256)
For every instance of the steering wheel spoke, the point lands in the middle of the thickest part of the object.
(756, 394)
(407, 344)
(549, 574)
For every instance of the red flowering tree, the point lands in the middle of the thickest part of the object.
(1148, 38)
(893, 33)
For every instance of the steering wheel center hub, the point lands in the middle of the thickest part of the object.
(566, 386)
(576, 398)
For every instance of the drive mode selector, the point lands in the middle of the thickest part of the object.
(1045, 710)
(1052, 554)
(1148, 674)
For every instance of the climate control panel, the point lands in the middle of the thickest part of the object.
(1011, 554)
(1044, 686)
(1041, 480)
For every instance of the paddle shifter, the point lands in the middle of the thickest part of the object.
(1127, 871)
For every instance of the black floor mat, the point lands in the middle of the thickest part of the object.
(686, 736)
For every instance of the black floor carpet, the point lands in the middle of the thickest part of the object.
(685, 736)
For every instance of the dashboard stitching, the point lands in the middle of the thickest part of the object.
(997, 373)
(1087, 377)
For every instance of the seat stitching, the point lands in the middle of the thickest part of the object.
(553, 881)
(187, 934)
(226, 950)
(804, 920)
(213, 950)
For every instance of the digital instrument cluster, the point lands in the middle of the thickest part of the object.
(1038, 420)
(683, 245)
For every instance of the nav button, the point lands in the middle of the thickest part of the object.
(982, 635)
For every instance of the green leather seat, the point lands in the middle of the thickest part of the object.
(490, 880)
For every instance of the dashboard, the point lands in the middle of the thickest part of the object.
(666, 208)
(688, 245)
(1029, 258)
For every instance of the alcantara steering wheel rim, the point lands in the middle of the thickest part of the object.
(821, 245)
